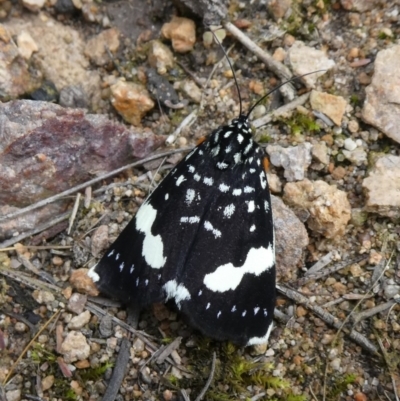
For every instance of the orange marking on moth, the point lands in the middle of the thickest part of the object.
(201, 140)
(266, 164)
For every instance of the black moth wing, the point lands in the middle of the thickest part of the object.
(204, 238)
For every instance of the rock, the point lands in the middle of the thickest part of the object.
(75, 347)
(47, 382)
(47, 92)
(320, 152)
(361, 5)
(391, 290)
(82, 282)
(15, 79)
(13, 395)
(279, 8)
(382, 187)
(96, 47)
(71, 66)
(43, 297)
(190, 89)
(33, 5)
(100, 240)
(212, 12)
(274, 183)
(73, 96)
(332, 106)
(106, 326)
(162, 90)
(357, 157)
(131, 100)
(160, 57)
(381, 106)
(182, 32)
(290, 239)
(26, 45)
(295, 160)
(304, 59)
(349, 144)
(328, 206)
(77, 303)
(77, 322)
(57, 148)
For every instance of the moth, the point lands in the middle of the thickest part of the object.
(205, 239)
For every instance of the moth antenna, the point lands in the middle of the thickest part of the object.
(277, 87)
(233, 71)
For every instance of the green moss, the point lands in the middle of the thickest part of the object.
(264, 138)
(234, 373)
(301, 124)
(339, 385)
(93, 374)
(355, 100)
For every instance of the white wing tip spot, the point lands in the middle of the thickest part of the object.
(252, 228)
(93, 275)
(261, 340)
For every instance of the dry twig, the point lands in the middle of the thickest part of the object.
(118, 372)
(275, 66)
(328, 318)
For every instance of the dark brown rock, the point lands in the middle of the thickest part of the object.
(46, 149)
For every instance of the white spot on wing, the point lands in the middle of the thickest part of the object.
(190, 195)
(263, 180)
(248, 189)
(237, 192)
(222, 165)
(180, 180)
(208, 305)
(191, 219)
(111, 253)
(215, 150)
(191, 169)
(121, 266)
(240, 138)
(227, 134)
(209, 227)
(228, 277)
(252, 228)
(251, 206)
(208, 181)
(237, 157)
(153, 247)
(223, 187)
(177, 291)
(248, 147)
(197, 177)
(166, 196)
(219, 314)
(256, 309)
(229, 210)
(233, 308)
